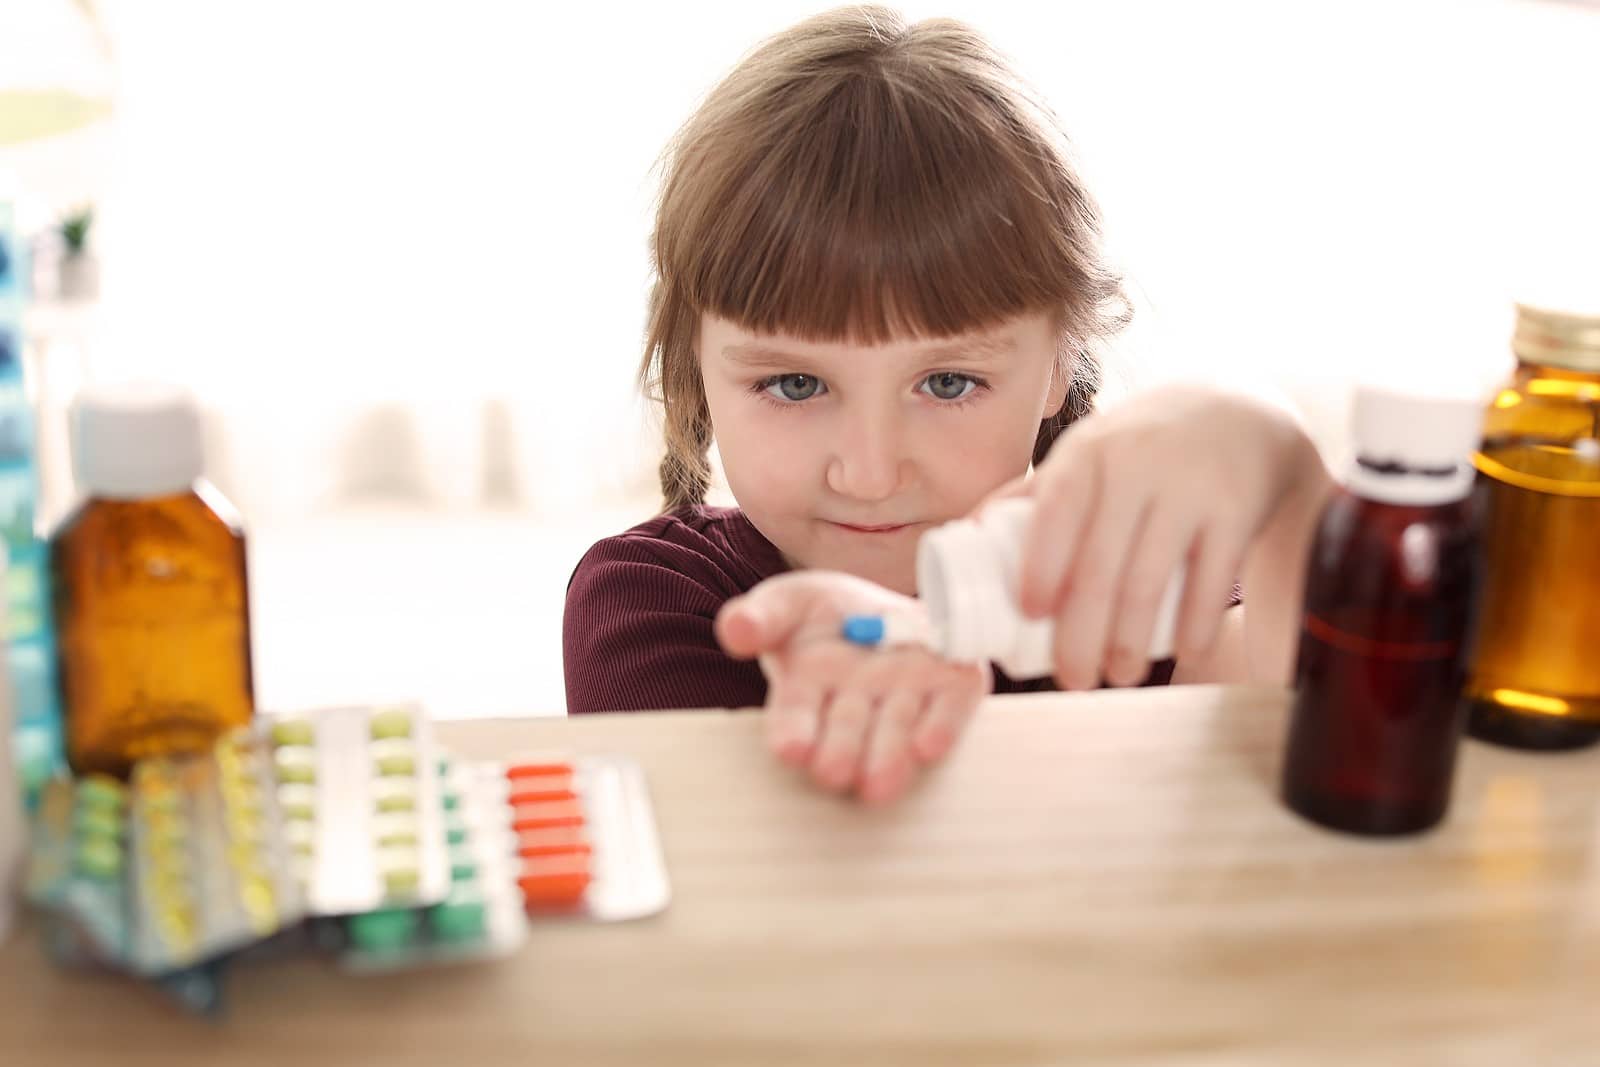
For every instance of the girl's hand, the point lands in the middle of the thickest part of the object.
(1178, 475)
(856, 718)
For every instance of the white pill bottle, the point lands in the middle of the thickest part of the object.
(968, 577)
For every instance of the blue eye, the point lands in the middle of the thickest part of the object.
(949, 385)
(793, 387)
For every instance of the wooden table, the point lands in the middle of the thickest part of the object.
(1104, 879)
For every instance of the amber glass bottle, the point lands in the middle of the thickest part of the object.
(1389, 592)
(150, 588)
(1534, 679)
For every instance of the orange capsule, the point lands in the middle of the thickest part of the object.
(554, 881)
(520, 771)
(527, 797)
(552, 841)
(537, 790)
(547, 814)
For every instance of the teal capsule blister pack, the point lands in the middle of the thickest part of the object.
(480, 917)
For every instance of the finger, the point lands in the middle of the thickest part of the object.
(794, 716)
(1082, 627)
(767, 618)
(889, 766)
(845, 720)
(946, 715)
(1064, 500)
(1215, 562)
(1159, 552)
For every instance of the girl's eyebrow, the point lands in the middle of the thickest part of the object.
(756, 354)
(979, 348)
(976, 349)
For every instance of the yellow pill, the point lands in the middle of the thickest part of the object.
(260, 904)
(162, 800)
(228, 758)
(394, 757)
(392, 722)
(165, 842)
(401, 882)
(178, 925)
(300, 833)
(298, 802)
(170, 888)
(398, 829)
(296, 765)
(293, 732)
(395, 794)
(243, 856)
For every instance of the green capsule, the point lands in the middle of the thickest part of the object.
(100, 823)
(101, 793)
(462, 918)
(99, 858)
(382, 930)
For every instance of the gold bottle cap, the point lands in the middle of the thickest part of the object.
(1558, 337)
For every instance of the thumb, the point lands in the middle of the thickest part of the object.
(763, 620)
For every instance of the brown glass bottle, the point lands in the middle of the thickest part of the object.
(1534, 677)
(151, 598)
(1390, 589)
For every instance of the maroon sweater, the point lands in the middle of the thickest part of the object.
(637, 634)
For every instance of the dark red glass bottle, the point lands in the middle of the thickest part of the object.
(1390, 591)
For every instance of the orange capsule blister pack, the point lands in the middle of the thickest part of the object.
(584, 836)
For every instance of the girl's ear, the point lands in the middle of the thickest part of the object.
(1060, 383)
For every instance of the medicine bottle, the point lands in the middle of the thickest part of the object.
(968, 576)
(148, 576)
(1390, 587)
(1534, 679)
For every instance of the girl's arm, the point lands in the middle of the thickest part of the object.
(1224, 483)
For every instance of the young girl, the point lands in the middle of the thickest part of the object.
(880, 288)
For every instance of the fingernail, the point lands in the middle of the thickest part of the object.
(832, 773)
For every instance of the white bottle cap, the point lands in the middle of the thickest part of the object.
(1414, 448)
(134, 441)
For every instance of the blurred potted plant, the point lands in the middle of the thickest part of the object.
(78, 272)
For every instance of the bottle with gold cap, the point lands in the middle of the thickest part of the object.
(1534, 677)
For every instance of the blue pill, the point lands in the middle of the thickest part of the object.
(864, 630)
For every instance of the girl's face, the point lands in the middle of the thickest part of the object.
(843, 454)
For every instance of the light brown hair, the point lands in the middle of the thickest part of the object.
(856, 177)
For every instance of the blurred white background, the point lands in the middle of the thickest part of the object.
(399, 249)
